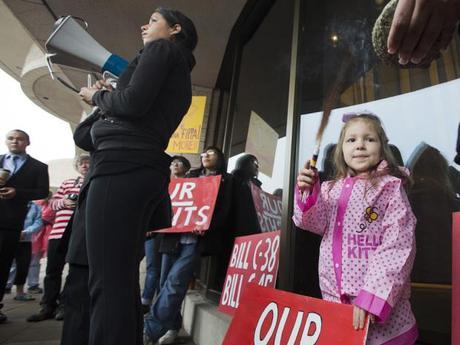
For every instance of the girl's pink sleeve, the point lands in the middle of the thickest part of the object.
(389, 269)
(311, 214)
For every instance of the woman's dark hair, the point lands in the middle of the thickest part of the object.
(244, 165)
(221, 165)
(187, 37)
(244, 169)
(184, 161)
(221, 161)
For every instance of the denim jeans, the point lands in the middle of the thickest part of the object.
(177, 270)
(152, 274)
(34, 270)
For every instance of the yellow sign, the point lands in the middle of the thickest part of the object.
(186, 138)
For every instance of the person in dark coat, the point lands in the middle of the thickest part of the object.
(182, 252)
(245, 221)
(212, 242)
(130, 175)
(28, 180)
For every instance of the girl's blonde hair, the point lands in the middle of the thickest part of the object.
(342, 169)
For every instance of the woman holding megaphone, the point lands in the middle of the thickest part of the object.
(130, 174)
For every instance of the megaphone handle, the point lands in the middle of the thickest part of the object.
(111, 78)
(107, 74)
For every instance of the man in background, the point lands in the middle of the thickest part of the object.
(28, 180)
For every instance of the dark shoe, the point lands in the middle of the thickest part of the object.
(3, 317)
(59, 313)
(35, 290)
(24, 298)
(44, 314)
(7, 290)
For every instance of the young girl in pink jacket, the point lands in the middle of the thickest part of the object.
(367, 224)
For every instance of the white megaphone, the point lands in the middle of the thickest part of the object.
(71, 45)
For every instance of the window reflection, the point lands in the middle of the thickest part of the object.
(420, 111)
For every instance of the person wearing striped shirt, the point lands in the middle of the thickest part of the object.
(63, 202)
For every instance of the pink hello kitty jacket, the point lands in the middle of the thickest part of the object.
(367, 250)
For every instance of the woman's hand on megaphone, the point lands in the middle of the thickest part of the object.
(103, 84)
(87, 93)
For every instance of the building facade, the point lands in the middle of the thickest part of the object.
(280, 60)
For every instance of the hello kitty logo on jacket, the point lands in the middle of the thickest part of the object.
(370, 215)
(360, 246)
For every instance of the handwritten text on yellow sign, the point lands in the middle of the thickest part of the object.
(186, 138)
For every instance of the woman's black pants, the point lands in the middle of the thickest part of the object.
(75, 330)
(118, 211)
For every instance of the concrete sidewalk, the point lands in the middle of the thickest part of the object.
(17, 331)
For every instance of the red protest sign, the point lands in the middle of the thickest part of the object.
(272, 317)
(254, 259)
(193, 201)
(268, 208)
(456, 278)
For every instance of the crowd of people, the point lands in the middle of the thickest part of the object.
(172, 260)
(362, 160)
(44, 223)
(102, 216)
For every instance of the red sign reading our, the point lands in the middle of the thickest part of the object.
(456, 278)
(272, 317)
(268, 208)
(254, 259)
(193, 201)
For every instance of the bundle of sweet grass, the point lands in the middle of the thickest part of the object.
(380, 34)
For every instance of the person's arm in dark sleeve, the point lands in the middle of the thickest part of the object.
(146, 83)
(220, 218)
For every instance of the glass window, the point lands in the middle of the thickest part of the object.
(262, 96)
(258, 129)
(420, 112)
